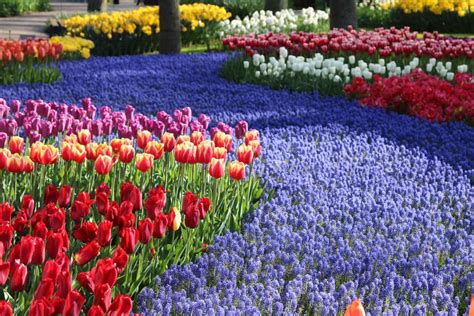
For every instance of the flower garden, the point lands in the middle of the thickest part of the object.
(297, 171)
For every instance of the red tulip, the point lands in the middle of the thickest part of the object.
(104, 233)
(6, 211)
(28, 205)
(5, 308)
(86, 232)
(4, 271)
(81, 206)
(205, 151)
(38, 252)
(236, 170)
(57, 304)
(245, 154)
(45, 289)
(103, 164)
(64, 197)
(159, 227)
(57, 220)
(256, 148)
(168, 141)
(156, 202)
(73, 304)
(143, 138)
(128, 239)
(4, 155)
(87, 253)
(251, 135)
(196, 137)
(144, 162)
(183, 152)
(18, 277)
(219, 153)
(217, 168)
(15, 164)
(64, 284)
(16, 144)
(86, 280)
(145, 229)
(129, 192)
(6, 234)
(51, 194)
(120, 259)
(122, 305)
(126, 153)
(40, 307)
(103, 296)
(50, 270)
(95, 311)
(27, 245)
(105, 272)
(223, 140)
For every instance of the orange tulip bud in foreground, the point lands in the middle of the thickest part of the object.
(183, 152)
(223, 140)
(28, 164)
(245, 154)
(70, 139)
(126, 153)
(471, 307)
(84, 137)
(117, 143)
(168, 141)
(4, 155)
(144, 162)
(103, 164)
(183, 138)
(73, 152)
(154, 148)
(16, 144)
(91, 151)
(197, 137)
(251, 135)
(104, 149)
(216, 168)
(256, 147)
(220, 153)
(15, 163)
(143, 137)
(355, 309)
(44, 154)
(236, 170)
(205, 151)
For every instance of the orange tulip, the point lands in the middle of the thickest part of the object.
(216, 168)
(154, 148)
(104, 149)
(245, 154)
(355, 309)
(78, 153)
(4, 155)
(167, 139)
(183, 152)
(15, 163)
(66, 151)
(16, 144)
(220, 153)
(126, 153)
(143, 137)
(44, 154)
(84, 137)
(182, 138)
(197, 137)
(223, 140)
(256, 148)
(103, 164)
(251, 135)
(70, 139)
(117, 143)
(91, 151)
(144, 162)
(236, 170)
(28, 164)
(205, 151)
(471, 307)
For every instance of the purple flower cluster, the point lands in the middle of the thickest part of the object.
(367, 204)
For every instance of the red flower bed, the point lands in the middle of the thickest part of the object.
(381, 42)
(418, 94)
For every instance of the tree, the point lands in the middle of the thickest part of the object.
(342, 13)
(170, 27)
(276, 5)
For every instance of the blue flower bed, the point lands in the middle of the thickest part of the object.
(368, 204)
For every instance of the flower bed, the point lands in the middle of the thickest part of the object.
(98, 216)
(136, 32)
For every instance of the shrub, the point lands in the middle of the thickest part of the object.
(17, 7)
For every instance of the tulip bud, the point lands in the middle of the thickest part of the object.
(16, 144)
(4, 155)
(223, 140)
(103, 164)
(143, 137)
(144, 162)
(183, 152)
(355, 309)
(87, 253)
(204, 152)
(15, 164)
(104, 233)
(176, 223)
(256, 148)
(196, 137)
(251, 135)
(237, 170)
(84, 137)
(18, 277)
(220, 153)
(154, 148)
(245, 154)
(145, 229)
(6, 308)
(91, 151)
(168, 141)
(216, 168)
(126, 153)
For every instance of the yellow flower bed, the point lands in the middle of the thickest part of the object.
(74, 45)
(462, 7)
(144, 20)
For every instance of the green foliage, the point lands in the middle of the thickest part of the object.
(426, 21)
(17, 7)
(240, 8)
(30, 72)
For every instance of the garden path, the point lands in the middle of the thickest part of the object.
(33, 24)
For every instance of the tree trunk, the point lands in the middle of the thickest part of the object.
(342, 13)
(170, 27)
(96, 5)
(276, 5)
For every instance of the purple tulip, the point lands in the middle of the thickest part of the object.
(19, 118)
(4, 111)
(241, 128)
(52, 115)
(91, 111)
(46, 129)
(129, 110)
(107, 125)
(86, 123)
(175, 129)
(119, 118)
(86, 103)
(43, 109)
(223, 127)
(135, 127)
(54, 106)
(105, 112)
(204, 120)
(196, 126)
(158, 128)
(177, 114)
(64, 123)
(15, 106)
(164, 117)
(63, 108)
(124, 132)
(214, 130)
(97, 128)
(3, 139)
(80, 113)
(34, 137)
(30, 106)
(12, 127)
(188, 113)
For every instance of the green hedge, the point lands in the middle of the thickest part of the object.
(447, 22)
(17, 7)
